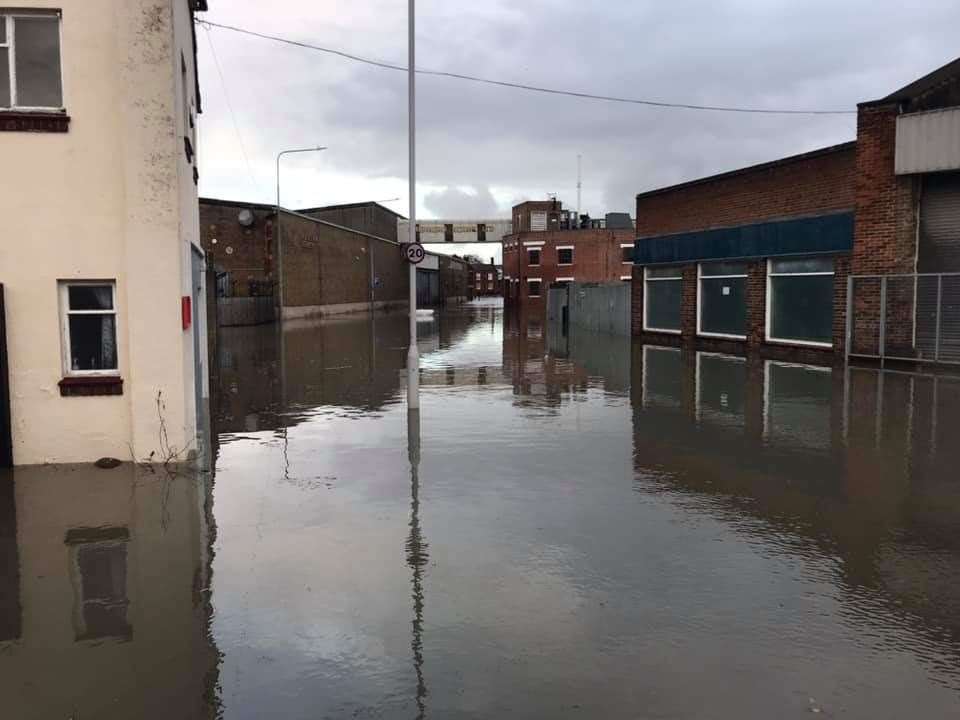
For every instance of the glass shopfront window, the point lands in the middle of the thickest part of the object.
(800, 301)
(722, 300)
(663, 289)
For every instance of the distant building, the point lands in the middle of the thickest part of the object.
(101, 269)
(486, 279)
(760, 257)
(551, 245)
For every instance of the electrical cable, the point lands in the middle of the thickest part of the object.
(522, 86)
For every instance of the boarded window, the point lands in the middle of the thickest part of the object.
(801, 300)
(663, 290)
(723, 299)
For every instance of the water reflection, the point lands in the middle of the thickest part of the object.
(103, 604)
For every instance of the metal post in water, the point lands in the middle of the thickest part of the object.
(936, 346)
(413, 355)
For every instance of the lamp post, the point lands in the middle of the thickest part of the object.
(280, 278)
(413, 355)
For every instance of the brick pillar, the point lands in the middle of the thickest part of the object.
(885, 232)
(636, 301)
(756, 304)
(688, 305)
(841, 269)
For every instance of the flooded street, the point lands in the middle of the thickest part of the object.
(587, 528)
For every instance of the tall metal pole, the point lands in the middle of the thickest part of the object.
(577, 224)
(413, 355)
(279, 249)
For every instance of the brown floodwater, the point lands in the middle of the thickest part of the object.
(575, 526)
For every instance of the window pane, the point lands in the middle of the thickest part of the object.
(664, 272)
(93, 342)
(4, 75)
(663, 304)
(38, 61)
(3, 30)
(534, 289)
(802, 308)
(723, 268)
(565, 257)
(802, 265)
(91, 297)
(626, 254)
(723, 306)
(533, 257)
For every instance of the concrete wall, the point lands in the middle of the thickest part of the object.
(113, 198)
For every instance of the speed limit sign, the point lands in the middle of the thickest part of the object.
(414, 253)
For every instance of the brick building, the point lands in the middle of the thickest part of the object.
(486, 279)
(325, 268)
(547, 246)
(758, 258)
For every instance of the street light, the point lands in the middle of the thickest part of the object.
(280, 277)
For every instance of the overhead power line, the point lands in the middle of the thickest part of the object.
(233, 116)
(522, 86)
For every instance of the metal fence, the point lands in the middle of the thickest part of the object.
(913, 317)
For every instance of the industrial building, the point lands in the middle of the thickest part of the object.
(779, 256)
(551, 245)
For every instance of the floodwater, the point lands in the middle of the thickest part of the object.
(579, 527)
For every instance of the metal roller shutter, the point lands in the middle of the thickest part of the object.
(940, 224)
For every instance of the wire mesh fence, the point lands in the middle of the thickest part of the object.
(904, 317)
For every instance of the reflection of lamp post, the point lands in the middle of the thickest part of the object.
(280, 277)
(417, 557)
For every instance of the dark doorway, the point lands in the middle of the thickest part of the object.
(6, 433)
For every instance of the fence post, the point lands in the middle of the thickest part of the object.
(883, 319)
(849, 331)
(936, 342)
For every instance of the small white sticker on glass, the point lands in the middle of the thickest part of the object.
(726, 289)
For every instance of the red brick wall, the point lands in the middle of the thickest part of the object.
(245, 253)
(814, 183)
(885, 233)
(597, 257)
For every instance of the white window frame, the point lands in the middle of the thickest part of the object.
(700, 276)
(768, 320)
(536, 280)
(646, 304)
(626, 245)
(644, 395)
(7, 17)
(572, 255)
(65, 313)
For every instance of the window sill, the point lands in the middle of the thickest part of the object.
(91, 385)
(799, 343)
(39, 122)
(665, 331)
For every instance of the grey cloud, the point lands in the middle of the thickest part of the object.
(791, 53)
(455, 203)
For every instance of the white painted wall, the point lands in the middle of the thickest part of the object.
(110, 199)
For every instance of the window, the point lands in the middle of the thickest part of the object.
(800, 301)
(626, 253)
(533, 257)
(89, 328)
(565, 256)
(662, 290)
(722, 300)
(533, 288)
(30, 77)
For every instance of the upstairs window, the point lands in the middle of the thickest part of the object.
(30, 72)
(565, 256)
(626, 253)
(533, 257)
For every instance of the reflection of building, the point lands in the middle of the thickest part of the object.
(101, 262)
(759, 257)
(111, 571)
(549, 246)
(856, 462)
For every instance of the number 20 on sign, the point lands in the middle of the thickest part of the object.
(414, 253)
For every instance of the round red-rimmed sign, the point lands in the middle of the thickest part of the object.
(414, 253)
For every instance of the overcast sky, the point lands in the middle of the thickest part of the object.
(483, 148)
